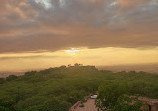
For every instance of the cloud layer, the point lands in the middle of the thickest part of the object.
(34, 25)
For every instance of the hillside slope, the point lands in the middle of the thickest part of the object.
(57, 89)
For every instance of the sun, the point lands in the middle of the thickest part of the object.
(73, 51)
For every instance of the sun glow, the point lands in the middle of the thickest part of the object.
(73, 51)
(109, 56)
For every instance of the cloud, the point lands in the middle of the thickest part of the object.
(52, 25)
(27, 57)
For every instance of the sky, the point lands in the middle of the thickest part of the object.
(37, 34)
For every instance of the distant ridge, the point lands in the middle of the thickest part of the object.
(151, 68)
(6, 74)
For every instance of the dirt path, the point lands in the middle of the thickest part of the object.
(88, 106)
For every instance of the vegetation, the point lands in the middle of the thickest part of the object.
(82, 105)
(11, 78)
(115, 96)
(57, 89)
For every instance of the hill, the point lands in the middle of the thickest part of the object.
(57, 89)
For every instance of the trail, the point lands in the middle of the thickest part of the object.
(88, 106)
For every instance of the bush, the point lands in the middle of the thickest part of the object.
(82, 105)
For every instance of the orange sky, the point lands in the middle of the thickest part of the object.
(99, 56)
(43, 33)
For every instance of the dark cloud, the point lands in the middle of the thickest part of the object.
(33, 25)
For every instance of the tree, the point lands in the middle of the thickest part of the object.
(11, 78)
(127, 103)
(2, 80)
(52, 105)
(7, 105)
(112, 97)
(30, 73)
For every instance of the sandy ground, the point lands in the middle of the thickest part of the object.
(88, 106)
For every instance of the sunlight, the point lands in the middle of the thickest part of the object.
(73, 51)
